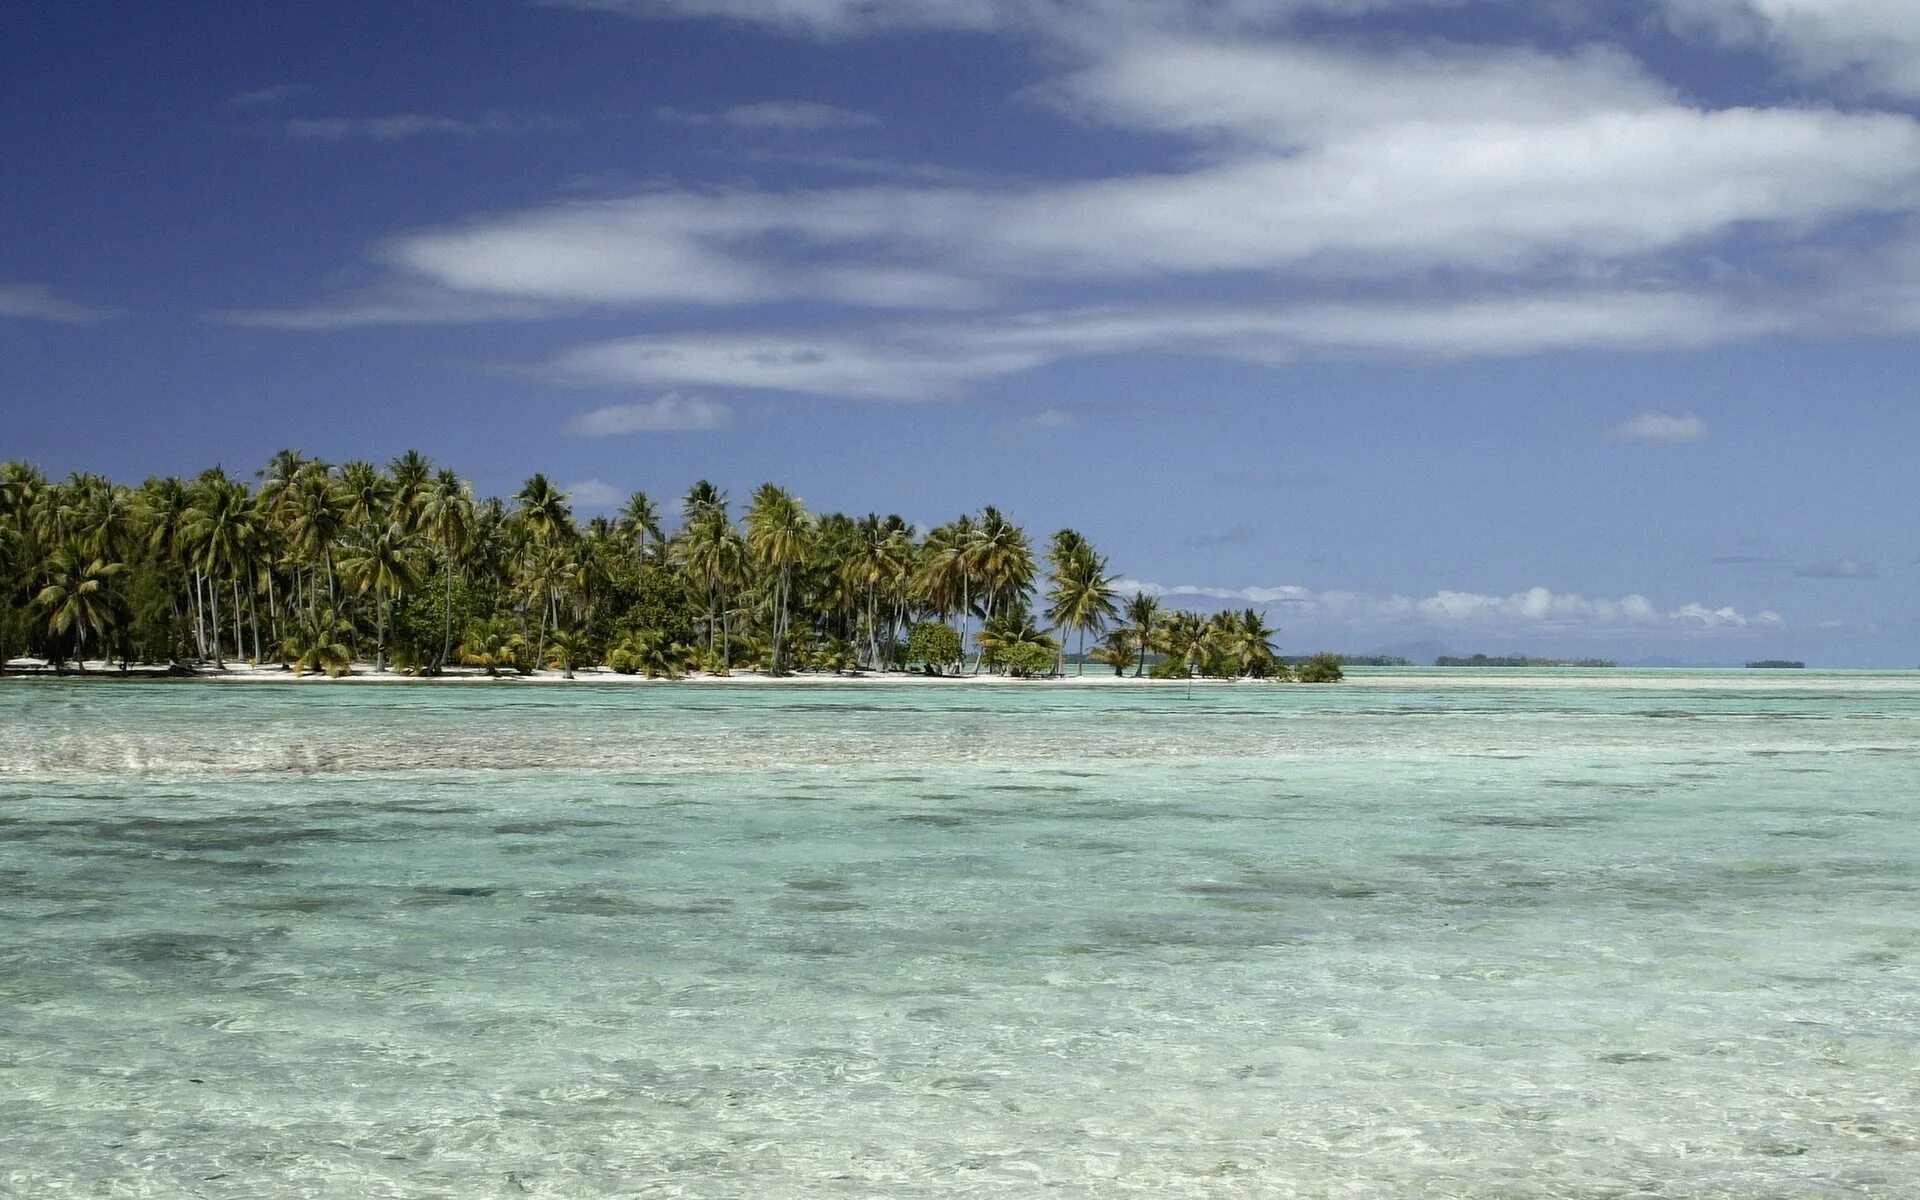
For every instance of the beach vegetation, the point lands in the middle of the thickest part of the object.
(315, 566)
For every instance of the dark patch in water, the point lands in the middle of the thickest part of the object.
(817, 884)
(820, 904)
(174, 949)
(938, 820)
(594, 904)
(431, 897)
(815, 949)
(289, 904)
(552, 826)
(1524, 820)
(1623, 1057)
(1033, 787)
(1822, 835)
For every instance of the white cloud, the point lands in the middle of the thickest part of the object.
(592, 493)
(1049, 418)
(1393, 200)
(35, 303)
(943, 359)
(1536, 610)
(1660, 427)
(671, 413)
(1285, 93)
(781, 116)
(388, 304)
(1420, 199)
(401, 126)
(1871, 45)
(267, 96)
(1843, 568)
(851, 18)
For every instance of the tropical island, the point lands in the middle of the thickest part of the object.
(1777, 664)
(327, 569)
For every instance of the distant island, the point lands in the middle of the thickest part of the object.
(1777, 664)
(1519, 660)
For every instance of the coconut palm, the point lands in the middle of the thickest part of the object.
(219, 534)
(1143, 617)
(567, 648)
(543, 509)
(1250, 642)
(446, 517)
(639, 520)
(410, 474)
(1187, 639)
(78, 600)
(779, 535)
(1083, 592)
(318, 642)
(1011, 640)
(493, 643)
(383, 566)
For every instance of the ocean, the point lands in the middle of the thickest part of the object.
(1423, 934)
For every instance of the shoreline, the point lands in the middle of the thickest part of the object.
(1732, 679)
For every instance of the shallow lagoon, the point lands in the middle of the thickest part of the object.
(1530, 935)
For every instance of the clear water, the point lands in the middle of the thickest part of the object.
(1609, 935)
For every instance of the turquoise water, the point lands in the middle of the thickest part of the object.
(1547, 935)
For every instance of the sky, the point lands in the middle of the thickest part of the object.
(1567, 328)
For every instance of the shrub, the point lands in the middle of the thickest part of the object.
(1321, 668)
(933, 645)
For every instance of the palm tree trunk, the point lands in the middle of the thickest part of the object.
(199, 627)
(446, 637)
(380, 634)
(213, 595)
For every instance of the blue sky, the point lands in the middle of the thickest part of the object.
(1575, 328)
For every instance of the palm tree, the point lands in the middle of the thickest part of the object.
(543, 509)
(219, 533)
(446, 516)
(1117, 649)
(410, 473)
(1012, 640)
(381, 565)
(1188, 639)
(1082, 590)
(78, 600)
(318, 643)
(1251, 643)
(567, 648)
(640, 519)
(167, 517)
(1143, 617)
(493, 643)
(779, 534)
(943, 580)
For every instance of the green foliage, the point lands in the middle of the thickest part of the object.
(568, 649)
(494, 643)
(1321, 668)
(420, 621)
(934, 645)
(318, 643)
(1026, 659)
(651, 653)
